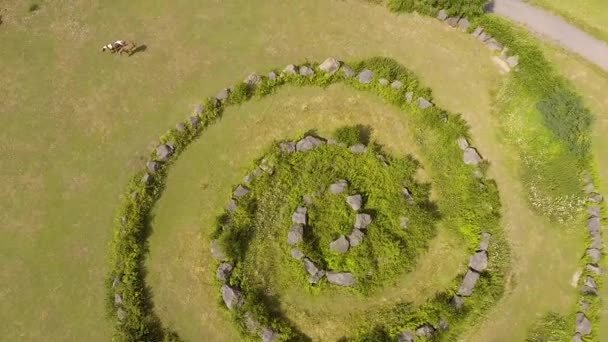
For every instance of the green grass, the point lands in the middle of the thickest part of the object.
(589, 15)
(77, 123)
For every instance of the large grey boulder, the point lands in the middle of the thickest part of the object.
(268, 335)
(409, 96)
(223, 95)
(348, 71)
(310, 267)
(295, 234)
(240, 191)
(358, 149)
(355, 201)
(593, 224)
(594, 197)
(366, 76)
(272, 76)
(479, 261)
(216, 250)
(493, 44)
(477, 31)
(594, 211)
(180, 127)
(463, 143)
(233, 298)
(464, 24)
(355, 238)
(457, 302)
(362, 221)
(397, 85)
(408, 195)
(195, 121)
(338, 187)
(596, 240)
(590, 286)
(330, 66)
(594, 254)
(232, 206)
(471, 156)
(291, 69)
(468, 283)
(224, 271)
(341, 278)
(406, 336)
(198, 109)
(153, 166)
(296, 254)
(308, 143)
(425, 331)
(453, 21)
(340, 245)
(424, 103)
(317, 277)
(442, 15)
(299, 216)
(583, 325)
(589, 188)
(253, 79)
(287, 147)
(594, 269)
(485, 241)
(306, 71)
(577, 338)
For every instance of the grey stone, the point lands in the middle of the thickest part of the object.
(291, 69)
(479, 261)
(355, 201)
(457, 302)
(594, 269)
(442, 15)
(307, 199)
(153, 166)
(464, 24)
(358, 149)
(287, 147)
(426, 331)
(223, 95)
(383, 82)
(409, 96)
(117, 299)
(594, 211)
(594, 254)
(296, 254)
(355, 238)
(477, 31)
(453, 21)
(224, 271)
(513, 61)
(485, 241)
(217, 251)
(253, 79)
(308, 143)
(397, 85)
(468, 283)
(146, 178)
(341, 278)
(583, 325)
(590, 286)
(330, 66)
(424, 103)
(272, 75)
(240, 191)
(233, 298)
(493, 44)
(299, 216)
(404, 222)
(268, 335)
(163, 152)
(317, 277)
(462, 143)
(180, 127)
(195, 122)
(408, 195)
(340, 245)
(589, 188)
(443, 325)
(199, 109)
(362, 221)
(483, 36)
(232, 206)
(471, 156)
(231, 89)
(366, 76)
(577, 338)
(406, 336)
(310, 267)
(596, 240)
(251, 323)
(306, 71)
(593, 224)
(121, 314)
(338, 187)
(348, 71)
(295, 234)
(594, 197)
(116, 282)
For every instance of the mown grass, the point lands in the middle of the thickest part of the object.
(589, 15)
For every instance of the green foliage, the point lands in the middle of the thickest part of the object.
(552, 327)
(465, 8)
(353, 135)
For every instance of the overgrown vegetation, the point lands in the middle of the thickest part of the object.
(551, 328)
(465, 8)
(468, 204)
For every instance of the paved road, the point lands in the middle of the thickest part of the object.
(555, 28)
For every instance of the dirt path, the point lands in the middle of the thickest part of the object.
(555, 28)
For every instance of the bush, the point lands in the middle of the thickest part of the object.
(465, 8)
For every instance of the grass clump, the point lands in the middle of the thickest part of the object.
(551, 327)
(468, 8)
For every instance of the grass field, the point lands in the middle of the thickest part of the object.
(77, 123)
(589, 15)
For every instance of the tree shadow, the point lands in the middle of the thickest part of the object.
(489, 8)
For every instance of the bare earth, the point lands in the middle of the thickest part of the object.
(555, 28)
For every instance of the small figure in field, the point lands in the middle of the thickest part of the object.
(120, 46)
